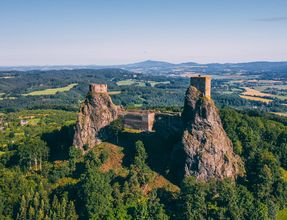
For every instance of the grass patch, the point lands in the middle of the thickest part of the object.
(283, 114)
(34, 121)
(153, 83)
(254, 92)
(114, 159)
(262, 88)
(133, 131)
(10, 98)
(115, 92)
(284, 172)
(127, 82)
(282, 215)
(137, 105)
(52, 91)
(253, 98)
(114, 162)
(7, 77)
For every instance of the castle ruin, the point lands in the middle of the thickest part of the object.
(202, 83)
(143, 119)
(98, 88)
(139, 120)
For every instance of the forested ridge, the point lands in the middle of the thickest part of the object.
(42, 176)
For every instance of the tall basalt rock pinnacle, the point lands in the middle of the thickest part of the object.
(205, 150)
(96, 112)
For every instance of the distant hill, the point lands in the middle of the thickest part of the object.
(164, 68)
(150, 64)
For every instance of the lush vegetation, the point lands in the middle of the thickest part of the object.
(42, 176)
(65, 89)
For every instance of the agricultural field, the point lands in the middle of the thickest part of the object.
(52, 91)
(262, 88)
(283, 114)
(254, 92)
(254, 98)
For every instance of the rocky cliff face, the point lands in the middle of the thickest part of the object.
(205, 151)
(96, 112)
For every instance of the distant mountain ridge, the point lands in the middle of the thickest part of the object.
(152, 66)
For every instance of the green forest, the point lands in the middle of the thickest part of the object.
(42, 176)
(66, 89)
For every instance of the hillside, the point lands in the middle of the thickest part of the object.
(117, 177)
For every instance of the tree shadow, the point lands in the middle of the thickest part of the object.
(159, 144)
(59, 142)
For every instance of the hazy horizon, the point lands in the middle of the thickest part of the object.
(141, 61)
(121, 32)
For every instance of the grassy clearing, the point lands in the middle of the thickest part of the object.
(11, 98)
(284, 174)
(262, 88)
(282, 215)
(2, 98)
(113, 162)
(133, 131)
(137, 105)
(52, 91)
(7, 77)
(258, 93)
(127, 82)
(115, 92)
(253, 98)
(283, 114)
(153, 83)
(254, 92)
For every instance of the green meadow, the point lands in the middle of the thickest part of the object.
(52, 91)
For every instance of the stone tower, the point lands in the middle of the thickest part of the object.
(98, 88)
(202, 83)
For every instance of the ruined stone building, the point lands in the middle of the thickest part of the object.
(139, 120)
(199, 145)
(202, 83)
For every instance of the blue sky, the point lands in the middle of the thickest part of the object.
(48, 32)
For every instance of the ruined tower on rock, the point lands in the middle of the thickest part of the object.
(204, 151)
(96, 112)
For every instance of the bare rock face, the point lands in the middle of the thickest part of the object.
(96, 112)
(205, 150)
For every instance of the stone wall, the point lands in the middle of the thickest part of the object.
(139, 120)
